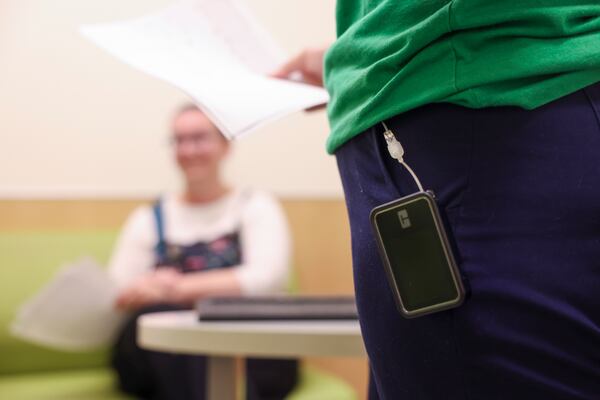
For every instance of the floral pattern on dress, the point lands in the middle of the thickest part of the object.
(222, 252)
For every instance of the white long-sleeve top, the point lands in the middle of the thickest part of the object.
(257, 216)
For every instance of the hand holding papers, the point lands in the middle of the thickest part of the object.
(75, 311)
(216, 52)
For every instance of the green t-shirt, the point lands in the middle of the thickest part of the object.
(395, 55)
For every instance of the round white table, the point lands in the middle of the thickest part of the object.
(181, 332)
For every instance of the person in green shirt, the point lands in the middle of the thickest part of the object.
(497, 106)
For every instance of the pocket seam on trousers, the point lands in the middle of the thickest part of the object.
(592, 100)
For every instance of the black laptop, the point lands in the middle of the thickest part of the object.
(264, 308)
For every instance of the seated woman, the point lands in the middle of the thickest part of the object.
(208, 240)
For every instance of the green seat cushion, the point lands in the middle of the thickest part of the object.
(99, 384)
(86, 384)
(28, 260)
(318, 385)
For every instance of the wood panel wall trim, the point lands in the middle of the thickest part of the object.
(65, 214)
(52, 214)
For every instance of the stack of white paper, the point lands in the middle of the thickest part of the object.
(75, 311)
(215, 51)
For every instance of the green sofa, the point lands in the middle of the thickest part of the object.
(29, 372)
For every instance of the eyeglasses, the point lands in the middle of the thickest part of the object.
(192, 140)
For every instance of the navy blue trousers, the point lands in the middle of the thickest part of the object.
(521, 193)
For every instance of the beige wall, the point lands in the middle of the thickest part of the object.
(76, 122)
